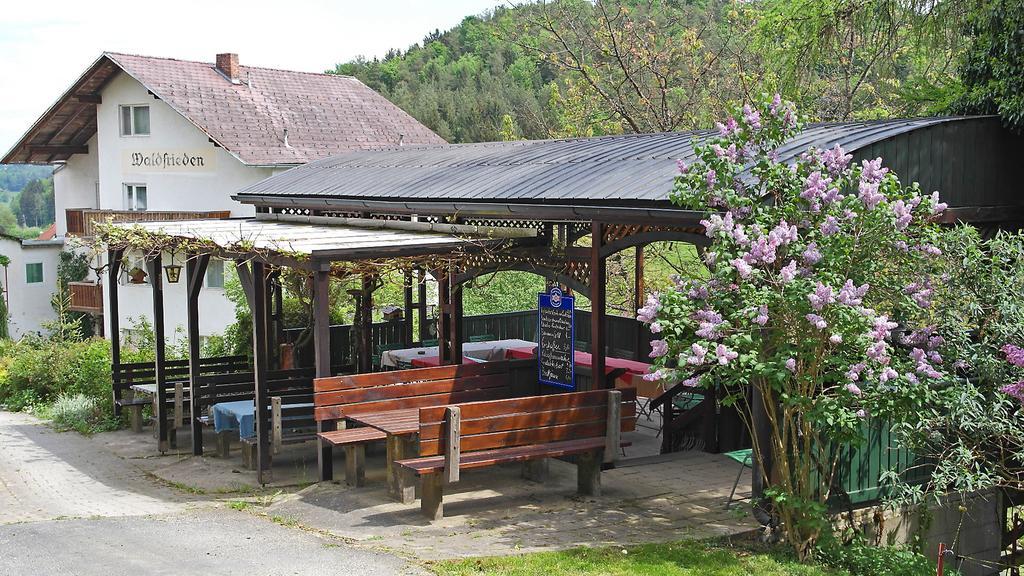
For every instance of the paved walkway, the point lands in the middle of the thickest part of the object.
(70, 506)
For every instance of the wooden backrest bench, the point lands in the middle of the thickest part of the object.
(337, 397)
(529, 430)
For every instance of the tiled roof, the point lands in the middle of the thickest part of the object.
(324, 114)
(49, 234)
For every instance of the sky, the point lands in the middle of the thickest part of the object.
(45, 47)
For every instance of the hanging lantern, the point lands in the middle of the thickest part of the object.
(173, 271)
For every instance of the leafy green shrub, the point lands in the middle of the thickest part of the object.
(862, 559)
(36, 370)
(76, 412)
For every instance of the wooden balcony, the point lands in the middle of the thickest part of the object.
(82, 221)
(86, 297)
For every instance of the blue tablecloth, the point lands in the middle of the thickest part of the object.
(239, 416)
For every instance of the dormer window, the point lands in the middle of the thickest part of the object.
(135, 120)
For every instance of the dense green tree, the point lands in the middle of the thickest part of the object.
(992, 67)
(34, 206)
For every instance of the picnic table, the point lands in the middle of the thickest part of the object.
(480, 351)
(239, 415)
(402, 427)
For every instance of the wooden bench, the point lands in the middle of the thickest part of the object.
(587, 425)
(339, 397)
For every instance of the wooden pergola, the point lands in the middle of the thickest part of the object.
(343, 246)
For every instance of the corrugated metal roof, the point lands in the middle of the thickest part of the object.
(293, 236)
(612, 170)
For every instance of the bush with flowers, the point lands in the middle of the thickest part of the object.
(816, 307)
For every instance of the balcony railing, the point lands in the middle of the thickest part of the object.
(86, 297)
(82, 221)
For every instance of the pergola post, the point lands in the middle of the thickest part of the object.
(165, 435)
(444, 327)
(638, 303)
(598, 277)
(456, 320)
(366, 324)
(322, 362)
(113, 270)
(421, 303)
(195, 271)
(260, 368)
(407, 308)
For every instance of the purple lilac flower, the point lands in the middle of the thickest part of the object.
(731, 153)
(710, 257)
(872, 170)
(821, 297)
(655, 328)
(788, 272)
(861, 413)
(762, 250)
(937, 207)
(1015, 390)
(836, 338)
(724, 354)
(831, 195)
(683, 167)
(776, 103)
(650, 309)
(869, 194)
(854, 389)
(698, 354)
(742, 268)
(829, 226)
(791, 365)
(739, 234)
(762, 316)
(882, 328)
(852, 295)
(817, 321)
(811, 255)
(888, 374)
(728, 128)
(836, 159)
(877, 352)
(691, 382)
(656, 375)
(698, 292)
(920, 293)
(789, 118)
(784, 233)
(853, 374)
(901, 211)
(658, 348)
(711, 178)
(752, 117)
(1014, 354)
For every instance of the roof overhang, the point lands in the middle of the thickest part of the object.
(314, 242)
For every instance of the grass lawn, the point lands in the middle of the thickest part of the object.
(672, 559)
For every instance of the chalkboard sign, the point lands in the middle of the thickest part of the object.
(555, 318)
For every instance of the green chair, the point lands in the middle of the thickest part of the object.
(428, 342)
(745, 458)
(482, 338)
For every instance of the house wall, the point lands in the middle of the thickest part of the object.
(74, 185)
(29, 304)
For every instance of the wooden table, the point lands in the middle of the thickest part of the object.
(402, 428)
(632, 378)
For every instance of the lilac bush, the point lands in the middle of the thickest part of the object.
(818, 298)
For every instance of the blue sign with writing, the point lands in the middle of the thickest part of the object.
(556, 364)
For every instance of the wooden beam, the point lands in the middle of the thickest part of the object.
(366, 324)
(260, 369)
(456, 322)
(91, 98)
(322, 361)
(421, 303)
(58, 149)
(444, 327)
(407, 309)
(113, 270)
(195, 270)
(164, 434)
(638, 302)
(598, 276)
(245, 279)
(452, 445)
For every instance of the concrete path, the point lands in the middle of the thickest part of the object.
(67, 506)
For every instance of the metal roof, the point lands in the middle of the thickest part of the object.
(343, 239)
(628, 170)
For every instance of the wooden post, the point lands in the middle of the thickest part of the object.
(195, 271)
(114, 269)
(355, 464)
(456, 321)
(165, 436)
(432, 488)
(536, 470)
(453, 443)
(259, 345)
(588, 474)
(421, 303)
(642, 342)
(613, 430)
(444, 327)
(276, 426)
(598, 277)
(407, 339)
(366, 325)
(322, 361)
(179, 405)
(400, 486)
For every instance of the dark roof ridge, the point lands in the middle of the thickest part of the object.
(109, 53)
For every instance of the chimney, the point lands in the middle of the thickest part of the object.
(227, 64)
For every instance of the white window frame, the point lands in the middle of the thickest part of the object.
(130, 132)
(130, 196)
(223, 278)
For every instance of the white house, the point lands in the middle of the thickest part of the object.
(140, 138)
(27, 281)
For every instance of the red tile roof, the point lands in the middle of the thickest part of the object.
(49, 234)
(324, 114)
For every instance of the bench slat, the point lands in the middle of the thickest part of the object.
(338, 412)
(529, 404)
(411, 389)
(352, 436)
(483, 458)
(349, 382)
(433, 430)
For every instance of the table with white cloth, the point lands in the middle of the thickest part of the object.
(484, 351)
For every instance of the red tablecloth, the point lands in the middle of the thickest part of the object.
(430, 361)
(633, 368)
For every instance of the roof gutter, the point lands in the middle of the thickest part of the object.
(618, 214)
